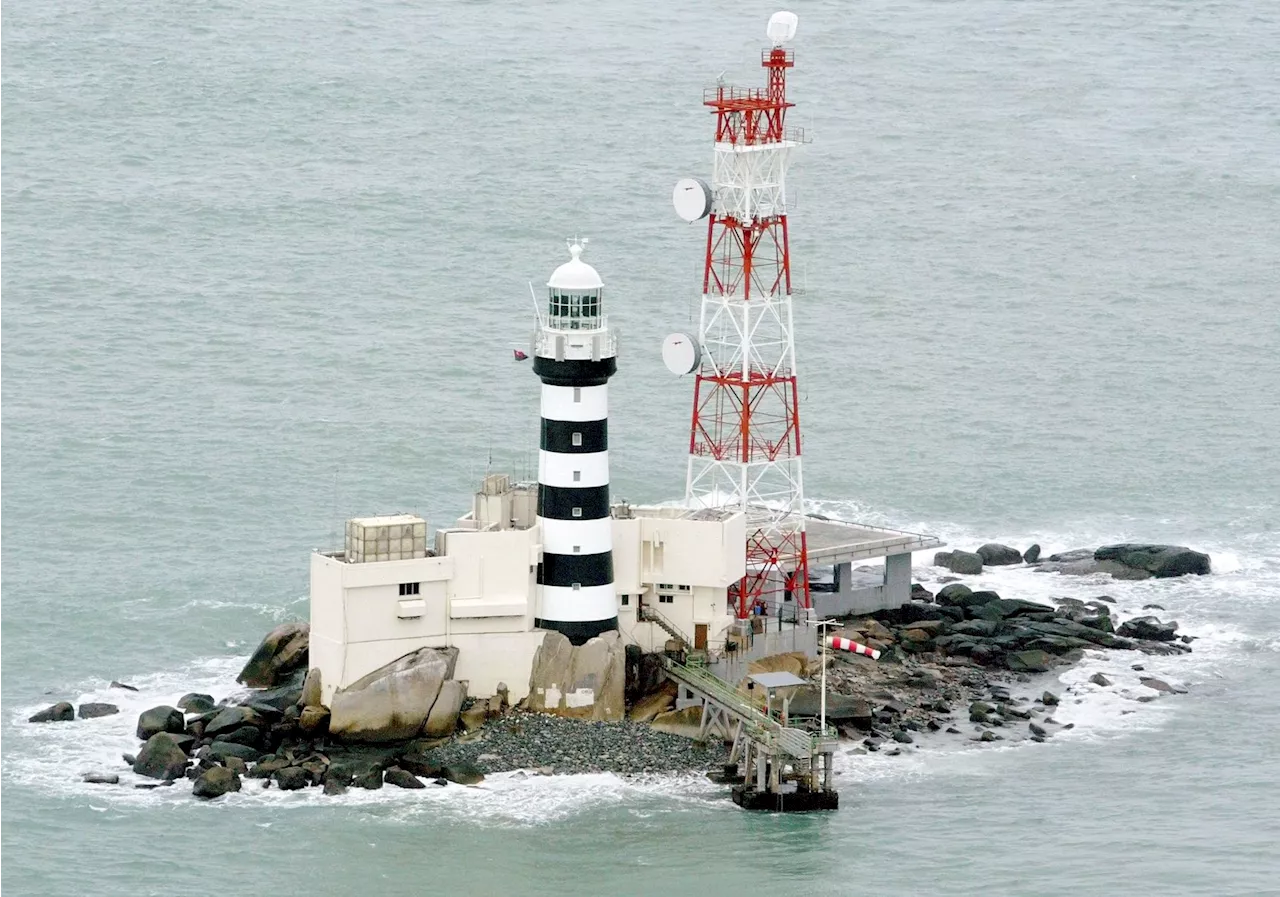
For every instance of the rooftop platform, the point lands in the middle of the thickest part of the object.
(836, 542)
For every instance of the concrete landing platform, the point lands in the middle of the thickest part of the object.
(836, 542)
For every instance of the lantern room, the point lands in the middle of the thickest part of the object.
(574, 295)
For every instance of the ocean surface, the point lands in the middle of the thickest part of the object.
(264, 265)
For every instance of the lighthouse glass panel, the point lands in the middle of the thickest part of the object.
(579, 310)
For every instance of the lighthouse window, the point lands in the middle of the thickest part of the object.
(625, 599)
(577, 437)
(577, 512)
(577, 476)
(577, 395)
(666, 599)
(409, 588)
(577, 586)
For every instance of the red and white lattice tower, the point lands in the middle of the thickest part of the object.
(744, 444)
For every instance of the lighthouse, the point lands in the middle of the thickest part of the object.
(575, 354)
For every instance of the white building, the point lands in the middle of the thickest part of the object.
(385, 594)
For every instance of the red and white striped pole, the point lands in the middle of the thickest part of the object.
(848, 644)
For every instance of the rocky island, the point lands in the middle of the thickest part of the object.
(950, 662)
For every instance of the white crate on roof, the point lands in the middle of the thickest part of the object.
(394, 537)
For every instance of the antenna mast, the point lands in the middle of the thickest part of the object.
(744, 444)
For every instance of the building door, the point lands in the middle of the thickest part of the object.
(699, 636)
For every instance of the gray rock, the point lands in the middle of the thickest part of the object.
(215, 782)
(443, 718)
(1049, 699)
(402, 778)
(282, 652)
(314, 720)
(236, 765)
(994, 554)
(1032, 554)
(160, 719)
(102, 778)
(229, 719)
(1075, 554)
(220, 750)
(1148, 629)
(291, 778)
(60, 712)
(966, 563)
(115, 684)
(586, 681)
(942, 559)
(422, 761)
(902, 737)
(1032, 661)
(334, 786)
(1161, 561)
(249, 735)
(311, 691)
(1099, 679)
(369, 779)
(1161, 685)
(161, 758)
(195, 702)
(93, 711)
(463, 774)
(1004, 608)
(392, 702)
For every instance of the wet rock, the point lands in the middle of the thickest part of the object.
(920, 593)
(392, 703)
(230, 719)
(129, 759)
(220, 750)
(1161, 561)
(942, 559)
(266, 766)
(998, 608)
(1148, 629)
(102, 778)
(966, 563)
(93, 711)
(948, 594)
(1161, 685)
(1099, 679)
(161, 758)
(1153, 607)
(160, 719)
(902, 737)
(1032, 661)
(370, 778)
(115, 684)
(979, 711)
(645, 709)
(60, 712)
(236, 765)
(291, 778)
(248, 735)
(195, 702)
(1037, 729)
(216, 782)
(1049, 699)
(474, 717)
(994, 554)
(1032, 554)
(988, 736)
(333, 786)
(463, 774)
(282, 653)
(402, 778)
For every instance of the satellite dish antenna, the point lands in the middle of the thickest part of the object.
(692, 199)
(782, 27)
(681, 353)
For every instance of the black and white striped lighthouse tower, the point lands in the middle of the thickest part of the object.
(574, 356)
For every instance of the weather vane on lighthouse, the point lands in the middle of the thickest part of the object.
(744, 442)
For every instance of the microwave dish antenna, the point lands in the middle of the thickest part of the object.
(782, 27)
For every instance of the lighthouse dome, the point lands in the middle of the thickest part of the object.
(575, 274)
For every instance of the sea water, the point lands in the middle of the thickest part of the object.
(264, 267)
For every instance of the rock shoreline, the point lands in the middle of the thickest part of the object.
(958, 663)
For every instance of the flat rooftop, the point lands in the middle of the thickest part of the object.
(834, 541)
